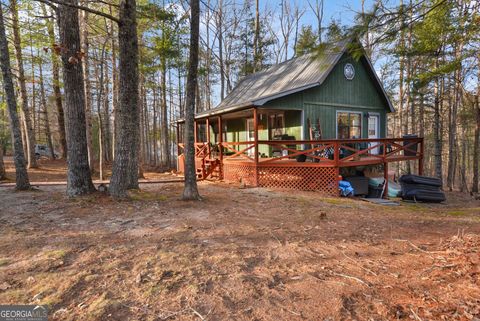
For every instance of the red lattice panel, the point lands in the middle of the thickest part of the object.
(299, 178)
(236, 173)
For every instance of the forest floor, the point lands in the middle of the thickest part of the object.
(240, 254)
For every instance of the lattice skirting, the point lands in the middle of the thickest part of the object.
(239, 173)
(292, 177)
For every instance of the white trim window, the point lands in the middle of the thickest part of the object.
(349, 125)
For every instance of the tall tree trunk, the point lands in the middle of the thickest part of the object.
(56, 85)
(125, 164)
(48, 132)
(463, 161)
(171, 122)
(2, 165)
(452, 139)
(22, 182)
(35, 113)
(27, 117)
(79, 180)
(476, 144)
(164, 126)
(256, 39)
(437, 133)
(190, 191)
(106, 118)
(87, 86)
(154, 128)
(114, 84)
(146, 121)
(141, 101)
(220, 48)
(99, 91)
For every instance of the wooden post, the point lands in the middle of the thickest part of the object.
(178, 145)
(177, 133)
(336, 159)
(195, 131)
(220, 147)
(255, 140)
(208, 137)
(420, 160)
(385, 176)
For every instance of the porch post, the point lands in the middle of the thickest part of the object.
(178, 134)
(195, 131)
(420, 160)
(385, 176)
(220, 147)
(178, 139)
(255, 141)
(336, 158)
(208, 136)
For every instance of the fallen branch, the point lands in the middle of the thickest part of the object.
(197, 314)
(415, 315)
(416, 247)
(363, 268)
(276, 238)
(352, 278)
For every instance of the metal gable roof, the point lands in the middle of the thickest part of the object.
(291, 76)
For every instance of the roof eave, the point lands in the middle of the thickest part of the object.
(264, 100)
(390, 106)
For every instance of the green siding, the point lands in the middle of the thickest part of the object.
(361, 91)
(361, 94)
(338, 94)
(236, 130)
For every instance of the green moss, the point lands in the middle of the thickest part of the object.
(338, 201)
(457, 213)
(4, 262)
(15, 296)
(139, 195)
(56, 254)
(413, 206)
(101, 305)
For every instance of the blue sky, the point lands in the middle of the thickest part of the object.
(342, 10)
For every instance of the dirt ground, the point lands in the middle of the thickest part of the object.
(240, 254)
(56, 171)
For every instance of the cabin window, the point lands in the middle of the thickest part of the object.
(349, 125)
(276, 125)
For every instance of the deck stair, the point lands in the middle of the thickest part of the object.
(210, 168)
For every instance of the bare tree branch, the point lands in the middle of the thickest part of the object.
(93, 11)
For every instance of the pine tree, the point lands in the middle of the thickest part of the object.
(307, 41)
(190, 191)
(79, 180)
(22, 182)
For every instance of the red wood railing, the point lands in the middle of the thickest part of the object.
(317, 153)
(340, 152)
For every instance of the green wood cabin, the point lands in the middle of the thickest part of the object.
(297, 123)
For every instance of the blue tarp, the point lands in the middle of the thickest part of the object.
(346, 188)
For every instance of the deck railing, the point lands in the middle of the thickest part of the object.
(321, 153)
(339, 152)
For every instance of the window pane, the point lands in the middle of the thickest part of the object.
(355, 123)
(342, 125)
(355, 120)
(355, 132)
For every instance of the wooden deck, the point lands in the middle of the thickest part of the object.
(304, 165)
(362, 161)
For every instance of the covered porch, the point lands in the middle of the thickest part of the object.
(257, 147)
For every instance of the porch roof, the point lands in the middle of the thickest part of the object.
(291, 76)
